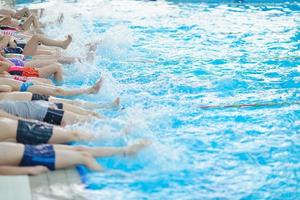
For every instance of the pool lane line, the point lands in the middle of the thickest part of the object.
(250, 105)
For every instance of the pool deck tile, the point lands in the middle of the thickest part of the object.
(55, 185)
(14, 187)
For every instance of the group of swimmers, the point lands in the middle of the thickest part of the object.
(32, 118)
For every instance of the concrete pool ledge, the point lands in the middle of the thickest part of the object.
(35, 187)
(15, 187)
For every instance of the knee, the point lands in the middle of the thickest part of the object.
(36, 37)
(58, 67)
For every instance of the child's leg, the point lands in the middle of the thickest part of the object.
(108, 151)
(80, 111)
(68, 158)
(71, 102)
(7, 20)
(24, 12)
(4, 66)
(40, 80)
(56, 91)
(40, 63)
(26, 25)
(44, 52)
(53, 69)
(72, 118)
(87, 105)
(67, 60)
(35, 40)
(61, 135)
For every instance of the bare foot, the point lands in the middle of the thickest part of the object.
(95, 89)
(60, 18)
(66, 43)
(116, 102)
(92, 164)
(134, 148)
(94, 114)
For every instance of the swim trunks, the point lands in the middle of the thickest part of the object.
(20, 78)
(14, 55)
(17, 50)
(37, 97)
(21, 44)
(15, 70)
(24, 87)
(8, 32)
(33, 133)
(54, 116)
(59, 105)
(17, 62)
(6, 27)
(30, 72)
(39, 155)
(36, 110)
(23, 71)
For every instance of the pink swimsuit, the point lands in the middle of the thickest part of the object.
(16, 70)
(20, 78)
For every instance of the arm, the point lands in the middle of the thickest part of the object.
(12, 170)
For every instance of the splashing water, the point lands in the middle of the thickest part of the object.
(167, 58)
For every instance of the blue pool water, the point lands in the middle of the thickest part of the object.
(166, 59)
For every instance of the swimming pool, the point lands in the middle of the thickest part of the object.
(167, 59)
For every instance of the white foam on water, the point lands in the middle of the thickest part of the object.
(147, 119)
(115, 42)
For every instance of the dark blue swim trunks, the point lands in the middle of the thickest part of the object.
(39, 97)
(33, 133)
(39, 155)
(17, 50)
(54, 116)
